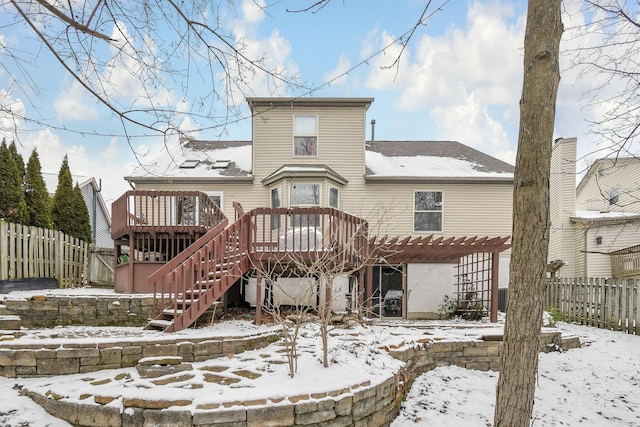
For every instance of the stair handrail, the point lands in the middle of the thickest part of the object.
(188, 252)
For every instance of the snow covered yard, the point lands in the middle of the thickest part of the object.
(595, 385)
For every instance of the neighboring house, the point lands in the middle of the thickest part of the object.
(448, 205)
(98, 212)
(595, 227)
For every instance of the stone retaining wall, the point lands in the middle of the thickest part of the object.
(362, 405)
(20, 360)
(61, 310)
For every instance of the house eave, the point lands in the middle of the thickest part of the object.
(315, 173)
(189, 179)
(259, 102)
(438, 179)
(605, 221)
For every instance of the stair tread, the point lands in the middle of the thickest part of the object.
(172, 311)
(161, 323)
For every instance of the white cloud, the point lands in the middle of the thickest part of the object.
(74, 104)
(253, 11)
(462, 77)
(127, 79)
(272, 53)
(338, 75)
(470, 123)
(11, 114)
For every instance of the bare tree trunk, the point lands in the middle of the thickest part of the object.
(519, 360)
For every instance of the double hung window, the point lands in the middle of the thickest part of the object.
(305, 136)
(427, 212)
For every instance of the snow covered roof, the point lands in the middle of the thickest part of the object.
(432, 159)
(191, 158)
(605, 216)
(304, 170)
(222, 160)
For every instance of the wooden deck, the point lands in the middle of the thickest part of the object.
(179, 246)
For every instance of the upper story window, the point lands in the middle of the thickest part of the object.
(427, 213)
(614, 196)
(305, 136)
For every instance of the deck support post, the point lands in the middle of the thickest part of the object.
(258, 298)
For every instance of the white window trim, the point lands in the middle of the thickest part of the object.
(413, 218)
(217, 193)
(333, 187)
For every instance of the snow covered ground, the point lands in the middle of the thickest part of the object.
(596, 385)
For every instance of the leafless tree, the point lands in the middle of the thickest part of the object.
(530, 240)
(290, 316)
(605, 49)
(142, 60)
(326, 260)
(146, 62)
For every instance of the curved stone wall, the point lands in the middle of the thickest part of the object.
(363, 404)
(20, 360)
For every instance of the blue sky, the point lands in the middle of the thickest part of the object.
(458, 79)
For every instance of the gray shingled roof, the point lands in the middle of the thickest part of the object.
(447, 149)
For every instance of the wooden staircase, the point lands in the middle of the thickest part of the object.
(192, 282)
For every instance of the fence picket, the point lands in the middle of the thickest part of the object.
(27, 252)
(604, 303)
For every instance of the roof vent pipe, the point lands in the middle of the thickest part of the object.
(373, 130)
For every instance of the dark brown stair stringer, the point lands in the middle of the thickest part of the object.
(191, 283)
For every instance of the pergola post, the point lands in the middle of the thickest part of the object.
(495, 274)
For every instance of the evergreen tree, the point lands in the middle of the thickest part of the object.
(12, 204)
(69, 213)
(17, 157)
(36, 194)
(82, 216)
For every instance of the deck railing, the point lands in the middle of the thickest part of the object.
(307, 232)
(171, 210)
(626, 262)
(188, 284)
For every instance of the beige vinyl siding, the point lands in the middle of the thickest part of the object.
(614, 237)
(580, 256)
(341, 139)
(482, 209)
(562, 204)
(593, 192)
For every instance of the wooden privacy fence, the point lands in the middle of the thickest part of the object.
(34, 252)
(604, 303)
